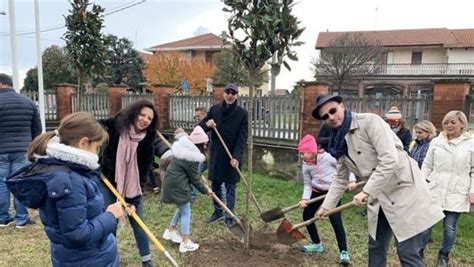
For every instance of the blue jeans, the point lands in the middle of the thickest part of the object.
(407, 250)
(183, 213)
(152, 177)
(450, 228)
(140, 236)
(10, 163)
(229, 197)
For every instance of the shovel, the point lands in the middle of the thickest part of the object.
(288, 234)
(140, 222)
(259, 208)
(278, 213)
(237, 229)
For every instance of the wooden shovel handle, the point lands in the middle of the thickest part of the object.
(220, 203)
(316, 199)
(238, 170)
(329, 213)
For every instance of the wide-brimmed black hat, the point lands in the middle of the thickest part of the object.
(323, 99)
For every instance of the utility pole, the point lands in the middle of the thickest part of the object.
(16, 78)
(40, 68)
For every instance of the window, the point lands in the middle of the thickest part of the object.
(416, 58)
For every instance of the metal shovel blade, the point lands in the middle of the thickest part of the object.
(237, 230)
(287, 235)
(272, 215)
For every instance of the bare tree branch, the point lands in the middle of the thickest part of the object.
(348, 59)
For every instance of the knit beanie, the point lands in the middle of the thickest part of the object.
(198, 136)
(307, 144)
(393, 114)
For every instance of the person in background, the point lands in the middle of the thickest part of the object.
(232, 122)
(425, 132)
(181, 173)
(364, 144)
(127, 159)
(61, 183)
(448, 169)
(394, 118)
(19, 124)
(318, 170)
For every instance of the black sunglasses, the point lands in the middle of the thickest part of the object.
(332, 111)
(230, 92)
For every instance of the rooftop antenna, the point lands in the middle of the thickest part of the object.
(376, 14)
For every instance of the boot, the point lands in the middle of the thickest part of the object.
(443, 259)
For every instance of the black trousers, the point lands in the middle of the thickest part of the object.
(408, 250)
(336, 222)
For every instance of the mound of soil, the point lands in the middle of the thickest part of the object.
(264, 251)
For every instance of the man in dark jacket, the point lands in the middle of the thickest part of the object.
(19, 125)
(231, 121)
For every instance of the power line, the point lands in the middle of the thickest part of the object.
(57, 27)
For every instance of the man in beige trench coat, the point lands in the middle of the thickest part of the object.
(398, 200)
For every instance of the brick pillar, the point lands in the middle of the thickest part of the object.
(64, 94)
(161, 95)
(115, 98)
(309, 91)
(448, 95)
(218, 94)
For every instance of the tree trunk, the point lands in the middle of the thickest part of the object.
(252, 75)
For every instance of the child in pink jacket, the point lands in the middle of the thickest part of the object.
(319, 168)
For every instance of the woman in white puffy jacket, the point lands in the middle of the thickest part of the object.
(449, 170)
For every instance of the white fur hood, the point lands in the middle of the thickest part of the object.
(56, 150)
(184, 149)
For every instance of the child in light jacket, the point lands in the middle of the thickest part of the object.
(319, 168)
(182, 172)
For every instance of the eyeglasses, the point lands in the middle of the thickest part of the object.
(331, 111)
(230, 92)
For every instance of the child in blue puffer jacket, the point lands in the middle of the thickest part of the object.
(62, 184)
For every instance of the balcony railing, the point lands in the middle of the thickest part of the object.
(425, 69)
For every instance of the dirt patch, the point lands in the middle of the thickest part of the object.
(264, 251)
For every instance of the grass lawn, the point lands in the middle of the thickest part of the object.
(30, 247)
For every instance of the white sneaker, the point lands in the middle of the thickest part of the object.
(188, 246)
(173, 236)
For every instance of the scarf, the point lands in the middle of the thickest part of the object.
(127, 175)
(226, 109)
(337, 142)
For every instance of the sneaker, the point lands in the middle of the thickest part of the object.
(173, 236)
(147, 263)
(215, 217)
(188, 246)
(344, 257)
(7, 222)
(313, 248)
(156, 190)
(23, 225)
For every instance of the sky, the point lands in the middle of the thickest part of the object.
(152, 22)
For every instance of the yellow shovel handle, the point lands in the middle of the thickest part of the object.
(139, 221)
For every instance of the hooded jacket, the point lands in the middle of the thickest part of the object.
(182, 172)
(70, 204)
(449, 170)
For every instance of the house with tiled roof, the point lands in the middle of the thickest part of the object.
(412, 60)
(204, 46)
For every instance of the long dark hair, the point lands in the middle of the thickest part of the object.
(130, 113)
